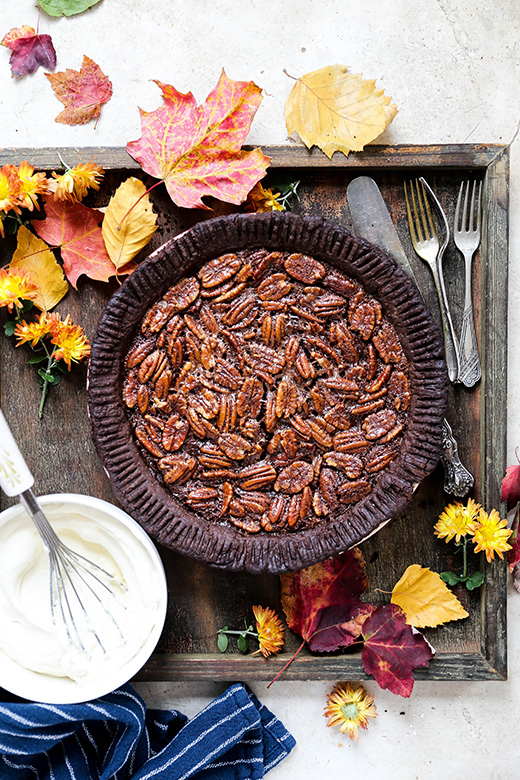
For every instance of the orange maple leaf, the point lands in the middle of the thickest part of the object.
(75, 228)
(82, 92)
(196, 149)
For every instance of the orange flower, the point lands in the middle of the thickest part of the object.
(16, 287)
(349, 708)
(261, 199)
(491, 535)
(9, 190)
(34, 331)
(71, 341)
(270, 631)
(74, 184)
(31, 185)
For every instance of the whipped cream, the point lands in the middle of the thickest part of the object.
(124, 615)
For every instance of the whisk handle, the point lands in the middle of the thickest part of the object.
(15, 476)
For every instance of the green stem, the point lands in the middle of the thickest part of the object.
(240, 633)
(50, 365)
(465, 559)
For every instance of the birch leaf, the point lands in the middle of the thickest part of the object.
(33, 255)
(336, 110)
(66, 7)
(129, 222)
(425, 599)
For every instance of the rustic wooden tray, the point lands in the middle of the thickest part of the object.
(202, 600)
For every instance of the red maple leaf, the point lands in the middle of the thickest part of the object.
(82, 92)
(322, 602)
(393, 649)
(29, 50)
(196, 150)
(511, 487)
(75, 228)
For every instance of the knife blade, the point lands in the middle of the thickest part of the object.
(372, 221)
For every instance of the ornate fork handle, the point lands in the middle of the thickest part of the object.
(451, 344)
(458, 480)
(470, 370)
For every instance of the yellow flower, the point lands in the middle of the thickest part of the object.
(260, 199)
(491, 534)
(9, 190)
(71, 341)
(16, 287)
(31, 185)
(349, 708)
(457, 521)
(270, 631)
(34, 331)
(74, 184)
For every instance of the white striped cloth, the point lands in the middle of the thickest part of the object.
(117, 738)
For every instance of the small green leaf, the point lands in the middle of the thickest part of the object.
(475, 580)
(46, 376)
(11, 226)
(9, 327)
(56, 379)
(222, 642)
(37, 359)
(26, 306)
(65, 7)
(243, 644)
(450, 578)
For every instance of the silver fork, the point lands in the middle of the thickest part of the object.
(466, 234)
(425, 241)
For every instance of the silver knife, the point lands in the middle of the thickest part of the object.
(372, 221)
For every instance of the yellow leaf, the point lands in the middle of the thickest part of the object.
(129, 222)
(33, 254)
(425, 599)
(336, 110)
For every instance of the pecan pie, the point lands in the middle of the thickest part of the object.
(266, 391)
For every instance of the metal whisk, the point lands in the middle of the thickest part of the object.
(72, 578)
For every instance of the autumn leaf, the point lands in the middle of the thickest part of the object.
(82, 92)
(29, 50)
(321, 602)
(425, 598)
(513, 555)
(66, 7)
(196, 149)
(393, 649)
(511, 487)
(336, 110)
(129, 222)
(76, 230)
(33, 255)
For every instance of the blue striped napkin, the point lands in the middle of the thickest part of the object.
(116, 738)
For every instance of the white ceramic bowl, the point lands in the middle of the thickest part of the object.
(41, 687)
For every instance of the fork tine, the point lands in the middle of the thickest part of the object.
(411, 224)
(465, 225)
(472, 216)
(431, 223)
(457, 207)
(479, 206)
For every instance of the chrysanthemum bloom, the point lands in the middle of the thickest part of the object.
(457, 521)
(16, 287)
(71, 341)
(74, 184)
(491, 534)
(270, 631)
(32, 332)
(261, 199)
(349, 709)
(31, 185)
(9, 191)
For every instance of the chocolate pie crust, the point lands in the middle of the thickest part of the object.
(135, 478)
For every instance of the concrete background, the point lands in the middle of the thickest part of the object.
(452, 67)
